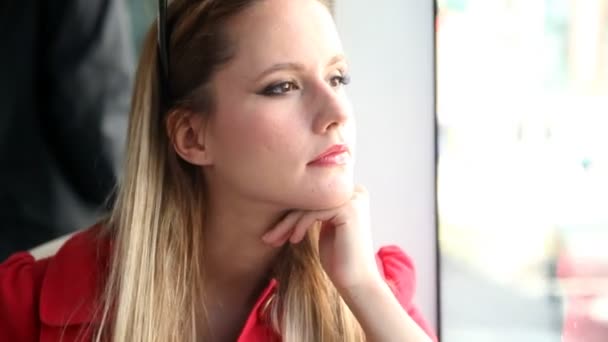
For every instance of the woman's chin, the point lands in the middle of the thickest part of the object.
(329, 197)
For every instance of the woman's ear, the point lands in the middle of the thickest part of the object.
(187, 132)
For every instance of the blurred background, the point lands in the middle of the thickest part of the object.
(522, 115)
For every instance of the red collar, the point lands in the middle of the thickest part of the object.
(73, 282)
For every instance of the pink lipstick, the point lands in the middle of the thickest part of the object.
(335, 155)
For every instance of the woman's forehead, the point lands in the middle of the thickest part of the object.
(279, 31)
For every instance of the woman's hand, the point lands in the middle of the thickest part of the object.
(346, 251)
(345, 244)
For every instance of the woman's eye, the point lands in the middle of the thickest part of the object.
(280, 88)
(339, 80)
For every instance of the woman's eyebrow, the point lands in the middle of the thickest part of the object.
(336, 59)
(296, 66)
(281, 66)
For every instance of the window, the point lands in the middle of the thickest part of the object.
(522, 114)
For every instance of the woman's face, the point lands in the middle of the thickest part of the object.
(279, 104)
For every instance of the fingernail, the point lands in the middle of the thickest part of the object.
(265, 238)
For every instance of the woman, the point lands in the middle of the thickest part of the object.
(237, 218)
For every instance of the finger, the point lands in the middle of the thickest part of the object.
(283, 239)
(281, 232)
(307, 221)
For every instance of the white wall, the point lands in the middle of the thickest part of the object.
(390, 47)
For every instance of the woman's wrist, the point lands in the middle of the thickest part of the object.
(372, 287)
(380, 314)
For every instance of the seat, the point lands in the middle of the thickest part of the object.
(49, 248)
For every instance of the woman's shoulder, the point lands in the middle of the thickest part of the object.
(55, 291)
(20, 282)
(398, 270)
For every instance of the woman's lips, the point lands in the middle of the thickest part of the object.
(333, 156)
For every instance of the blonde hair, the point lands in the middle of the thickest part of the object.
(155, 279)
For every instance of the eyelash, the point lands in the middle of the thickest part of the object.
(278, 89)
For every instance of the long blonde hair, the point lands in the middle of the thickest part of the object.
(153, 287)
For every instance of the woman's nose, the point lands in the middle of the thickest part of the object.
(333, 109)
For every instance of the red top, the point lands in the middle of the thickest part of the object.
(54, 299)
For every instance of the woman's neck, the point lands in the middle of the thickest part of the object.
(236, 259)
(237, 263)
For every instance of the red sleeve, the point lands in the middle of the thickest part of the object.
(398, 271)
(20, 278)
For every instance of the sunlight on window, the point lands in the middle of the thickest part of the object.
(522, 110)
